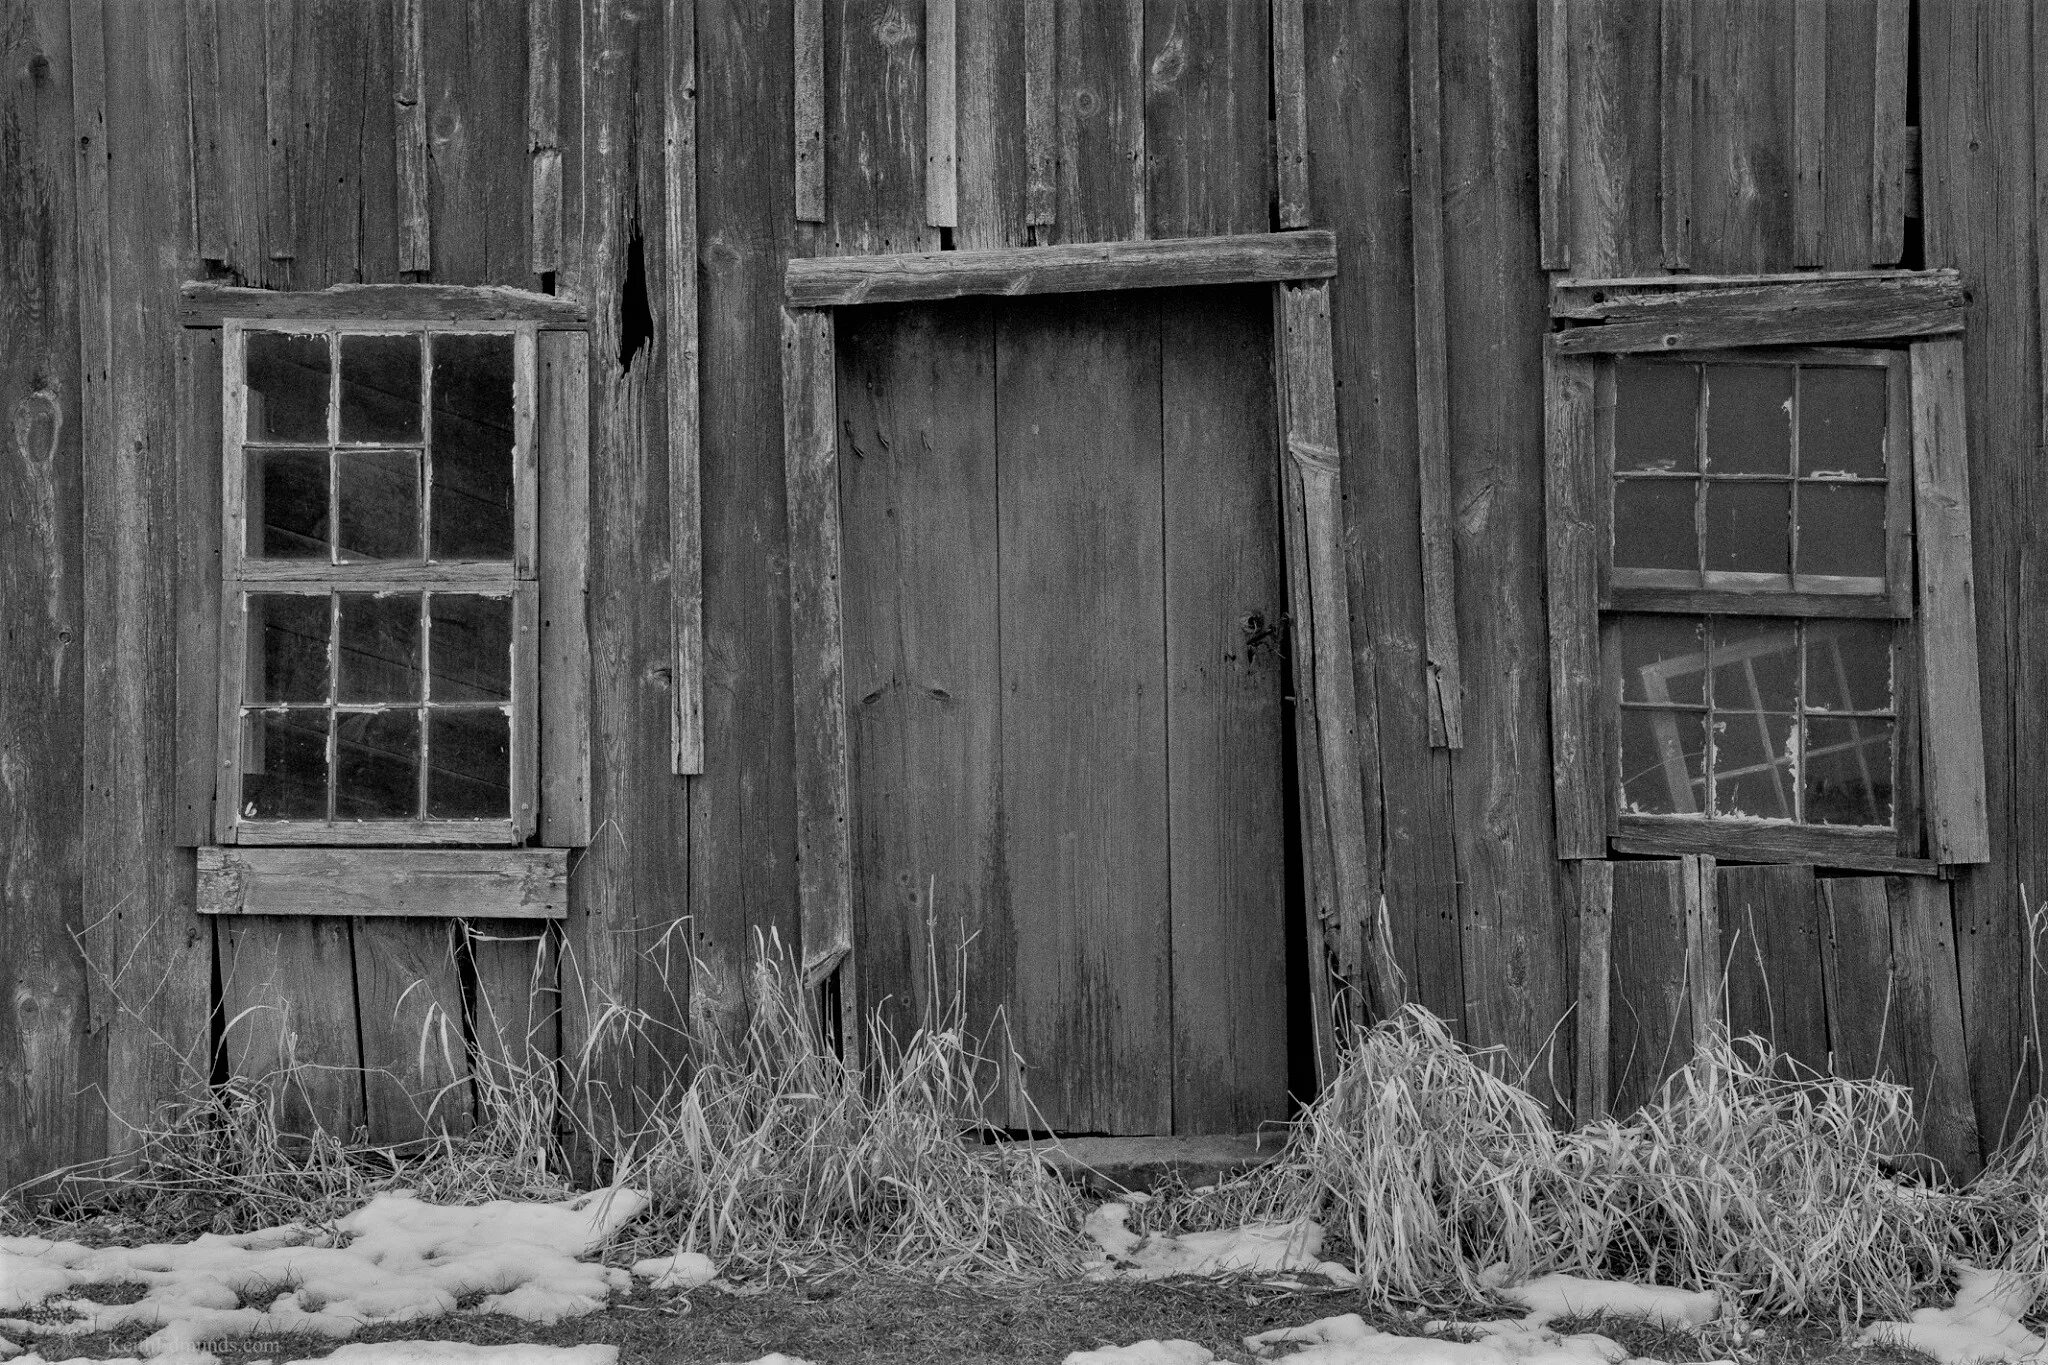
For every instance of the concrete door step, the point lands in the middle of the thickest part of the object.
(1109, 1166)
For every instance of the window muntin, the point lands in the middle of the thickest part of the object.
(379, 583)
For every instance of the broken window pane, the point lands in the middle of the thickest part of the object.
(1663, 761)
(1848, 771)
(287, 647)
(1653, 524)
(1655, 416)
(284, 765)
(1841, 529)
(469, 773)
(1841, 421)
(1749, 527)
(285, 504)
(472, 647)
(380, 387)
(1749, 419)
(380, 647)
(472, 447)
(1755, 764)
(287, 377)
(377, 765)
(379, 492)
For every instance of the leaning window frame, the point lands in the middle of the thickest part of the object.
(242, 575)
(1940, 808)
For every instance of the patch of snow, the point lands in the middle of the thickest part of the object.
(396, 1259)
(1174, 1352)
(684, 1270)
(1570, 1296)
(1983, 1325)
(1348, 1340)
(1257, 1247)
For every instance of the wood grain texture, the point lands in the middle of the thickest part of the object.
(1865, 1027)
(1952, 740)
(1041, 112)
(198, 482)
(515, 1005)
(1208, 147)
(1290, 113)
(1615, 174)
(202, 63)
(1100, 83)
(1651, 1029)
(941, 113)
(288, 1010)
(837, 281)
(1444, 680)
(204, 304)
(1888, 141)
(1225, 742)
(1931, 1009)
(1705, 993)
(875, 129)
(1574, 524)
(1810, 166)
(808, 44)
(479, 174)
(409, 1012)
(1675, 81)
(544, 134)
(1770, 949)
(1649, 836)
(409, 131)
(990, 137)
(564, 513)
(1743, 121)
(1762, 315)
(47, 1056)
(685, 430)
(1848, 163)
(1553, 135)
(513, 883)
(1085, 840)
(1594, 1077)
(229, 36)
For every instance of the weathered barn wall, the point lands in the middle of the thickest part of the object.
(303, 145)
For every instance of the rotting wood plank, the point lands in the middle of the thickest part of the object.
(1574, 523)
(1209, 146)
(1290, 113)
(1767, 315)
(1581, 298)
(1770, 949)
(1810, 168)
(288, 1006)
(1225, 744)
(1931, 1006)
(1705, 981)
(838, 281)
(49, 1059)
(1444, 679)
(1041, 113)
(1888, 140)
(479, 174)
(438, 883)
(808, 131)
(1650, 837)
(679, 319)
(875, 126)
(409, 1012)
(1675, 78)
(1641, 298)
(1650, 1018)
(514, 1007)
(941, 114)
(810, 443)
(1100, 79)
(1952, 733)
(990, 138)
(1866, 1030)
(409, 130)
(564, 513)
(1553, 133)
(197, 473)
(1594, 1075)
(205, 304)
(544, 134)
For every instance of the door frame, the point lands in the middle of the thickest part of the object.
(1339, 911)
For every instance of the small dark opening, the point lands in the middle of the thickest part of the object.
(547, 281)
(636, 319)
(945, 239)
(216, 1023)
(1301, 1036)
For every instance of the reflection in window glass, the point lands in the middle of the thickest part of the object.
(472, 444)
(1749, 718)
(380, 647)
(285, 504)
(472, 647)
(284, 765)
(288, 651)
(380, 387)
(288, 380)
(471, 772)
(377, 762)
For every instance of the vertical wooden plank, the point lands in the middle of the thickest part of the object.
(241, 129)
(1675, 85)
(202, 57)
(1290, 113)
(48, 1058)
(1743, 122)
(1888, 132)
(515, 1010)
(679, 318)
(1041, 112)
(197, 474)
(1357, 108)
(1650, 1015)
(1865, 1027)
(1595, 1074)
(1209, 152)
(808, 48)
(1101, 123)
(923, 683)
(1952, 744)
(1848, 164)
(1704, 980)
(409, 1013)
(941, 114)
(874, 148)
(544, 134)
(1574, 519)
(479, 176)
(415, 229)
(810, 443)
(991, 132)
(1225, 754)
(1809, 129)
(1616, 153)
(1771, 931)
(1084, 722)
(1931, 1006)
(1553, 135)
(564, 421)
(1444, 678)
(288, 1004)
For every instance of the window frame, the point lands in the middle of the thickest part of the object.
(1939, 804)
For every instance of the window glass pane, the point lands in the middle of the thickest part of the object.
(472, 647)
(1749, 419)
(1654, 415)
(1841, 529)
(284, 765)
(377, 762)
(1841, 420)
(469, 775)
(1849, 666)
(287, 647)
(380, 387)
(379, 491)
(1848, 771)
(1755, 766)
(285, 504)
(380, 647)
(1653, 524)
(472, 447)
(1756, 664)
(1663, 660)
(287, 379)
(1749, 527)
(1663, 761)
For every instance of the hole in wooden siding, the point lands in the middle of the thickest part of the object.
(636, 318)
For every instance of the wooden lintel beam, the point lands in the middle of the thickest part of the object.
(1785, 312)
(203, 304)
(428, 883)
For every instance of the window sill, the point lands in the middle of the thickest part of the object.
(426, 883)
(1857, 850)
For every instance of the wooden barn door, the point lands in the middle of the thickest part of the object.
(1064, 671)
